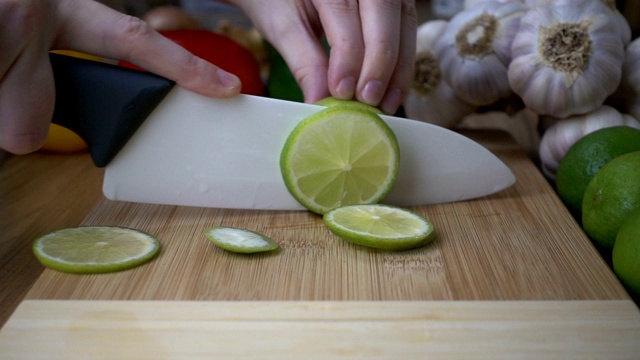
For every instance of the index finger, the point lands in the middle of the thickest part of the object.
(92, 27)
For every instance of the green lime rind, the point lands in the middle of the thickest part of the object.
(240, 240)
(331, 101)
(82, 250)
(392, 229)
(340, 156)
(626, 252)
(585, 158)
(611, 195)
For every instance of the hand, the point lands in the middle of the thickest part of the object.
(372, 46)
(30, 28)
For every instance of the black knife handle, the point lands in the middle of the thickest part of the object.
(104, 103)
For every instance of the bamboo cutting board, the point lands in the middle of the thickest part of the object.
(519, 244)
(157, 330)
(321, 297)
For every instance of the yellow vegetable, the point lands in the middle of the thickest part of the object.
(62, 140)
(78, 54)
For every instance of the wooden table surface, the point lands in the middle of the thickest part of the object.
(512, 264)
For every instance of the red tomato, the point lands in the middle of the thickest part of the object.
(220, 51)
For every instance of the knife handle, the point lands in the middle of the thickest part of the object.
(103, 103)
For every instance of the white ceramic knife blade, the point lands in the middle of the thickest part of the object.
(199, 151)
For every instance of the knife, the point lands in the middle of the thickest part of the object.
(163, 144)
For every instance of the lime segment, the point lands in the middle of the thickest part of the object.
(340, 156)
(380, 226)
(240, 240)
(95, 249)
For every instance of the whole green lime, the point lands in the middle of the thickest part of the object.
(626, 253)
(587, 156)
(611, 195)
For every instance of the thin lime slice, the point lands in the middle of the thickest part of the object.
(95, 249)
(380, 226)
(331, 101)
(340, 156)
(240, 240)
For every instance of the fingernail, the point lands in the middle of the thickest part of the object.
(228, 80)
(373, 92)
(346, 88)
(391, 101)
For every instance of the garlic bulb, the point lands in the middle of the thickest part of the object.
(566, 59)
(475, 50)
(631, 71)
(627, 96)
(429, 98)
(605, 6)
(560, 136)
(471, 3)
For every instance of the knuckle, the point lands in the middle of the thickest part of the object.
(386, 53)
(408, 8)
(130, 29)
(307, 72)
(341, 5)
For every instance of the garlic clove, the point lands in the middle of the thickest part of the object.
(566, 60)
(475, 50)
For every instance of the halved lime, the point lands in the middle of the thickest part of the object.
(380, 226)
(331, 101)
(95, 249)
(240, 240)
(340, 156)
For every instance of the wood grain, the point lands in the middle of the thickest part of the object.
(39, 192)
(519, 244)
(48, 329)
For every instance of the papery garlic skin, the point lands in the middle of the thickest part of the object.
(563, 133)
(428, 34)
(604, 6)
(566, 60)
(475, 51)
(472, 3)
(429, 98)
(628, 94)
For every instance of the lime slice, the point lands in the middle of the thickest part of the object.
(95, 249)
(239, 240)
(380, 226)
(340, 156)
(331, 101)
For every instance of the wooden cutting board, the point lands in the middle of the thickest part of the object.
(519, 244)
(445, 300)
(563, 330)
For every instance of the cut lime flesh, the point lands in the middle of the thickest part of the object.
(380, 226)
(240, 240)
(340, 156)
(95, 249)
